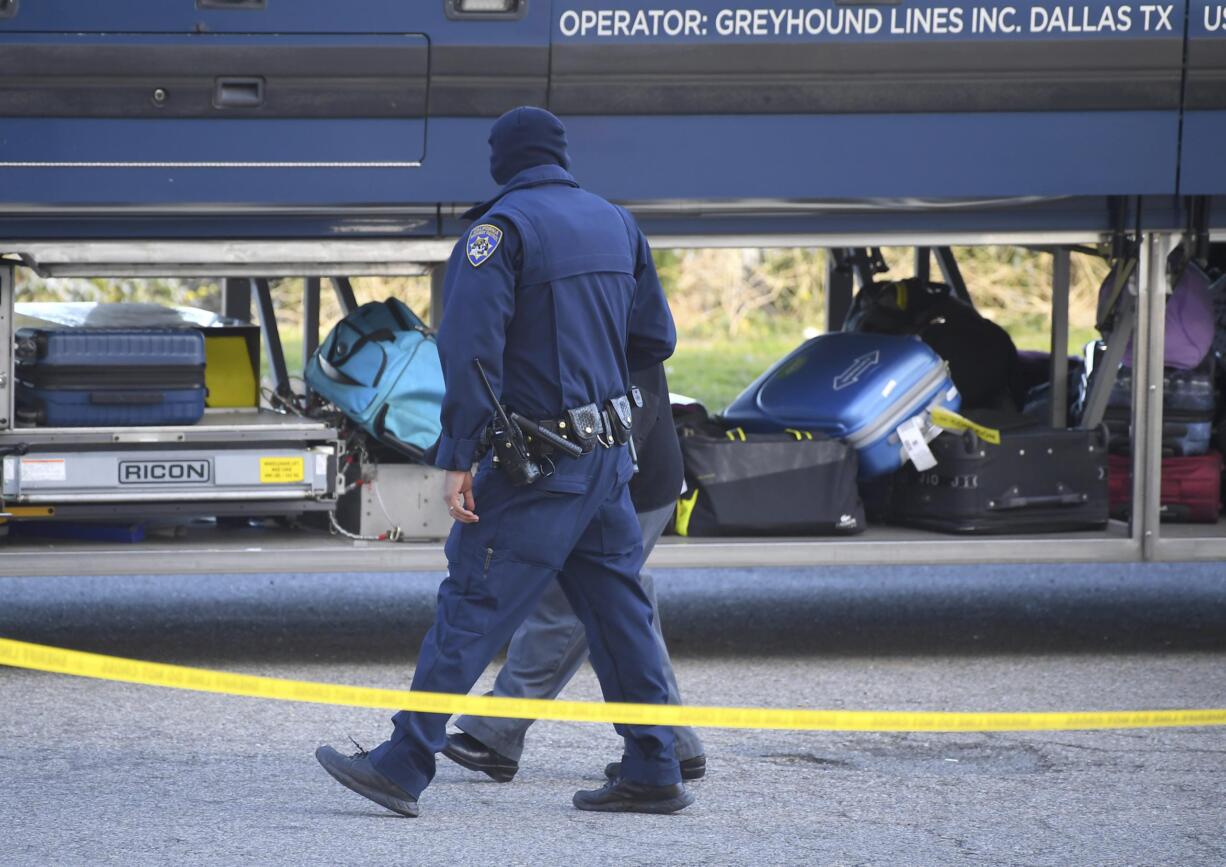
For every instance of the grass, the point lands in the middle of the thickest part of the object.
(291, 348)
(714, 370)
(1040, 339)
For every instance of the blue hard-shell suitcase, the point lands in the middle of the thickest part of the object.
(105, 377)
(856, 387)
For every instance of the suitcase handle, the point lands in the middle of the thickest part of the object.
(341, 353)
(1050, 500)
(414, 324)
(30, 347)
(126, 398)
(231, 4)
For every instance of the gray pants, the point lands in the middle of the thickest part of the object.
(550, 646)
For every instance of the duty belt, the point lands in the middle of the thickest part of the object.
(587, 426)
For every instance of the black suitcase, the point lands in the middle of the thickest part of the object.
(738, 484)
(1183, 434)
(1189, 403)
(1038, 480)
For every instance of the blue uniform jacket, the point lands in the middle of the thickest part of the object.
(554, 289)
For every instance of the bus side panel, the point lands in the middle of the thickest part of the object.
(654, 158)
(876, 156)
(959, 98)
(273, 16)
(156, 104)
(1202, 169)
(699, 115)
(210, 101)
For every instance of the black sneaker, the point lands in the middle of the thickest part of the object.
(358, 773)
(468, 752)
(691, 769)
(623, 796)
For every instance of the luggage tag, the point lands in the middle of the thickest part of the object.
(911, 433)
(949, 420)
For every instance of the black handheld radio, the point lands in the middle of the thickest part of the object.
(507, 440)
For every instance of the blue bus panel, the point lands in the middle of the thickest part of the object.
(1202, 169)
(379, 106)
(212, 102)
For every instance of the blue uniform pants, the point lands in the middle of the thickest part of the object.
(551, 646)
(578, 527)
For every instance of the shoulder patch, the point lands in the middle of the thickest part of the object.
(483, 240)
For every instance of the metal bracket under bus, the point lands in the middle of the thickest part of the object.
(1117, 313)
(8, 386)
(1102, 378)
(272, 338)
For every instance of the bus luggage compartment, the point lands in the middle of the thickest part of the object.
(107, 101)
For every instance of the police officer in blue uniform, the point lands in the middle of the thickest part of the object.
(550, 646)
(551, 298)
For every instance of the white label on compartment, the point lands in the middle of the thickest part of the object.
(911, 432)
(10, 469)
(43, 469)
(321, 465)
(889, 388)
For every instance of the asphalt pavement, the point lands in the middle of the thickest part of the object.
(105, 773)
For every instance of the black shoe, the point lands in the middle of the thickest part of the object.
(358, 773)
(691, 769)
(623, 796)
(468, 752)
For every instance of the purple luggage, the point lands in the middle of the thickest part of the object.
(1190, 322)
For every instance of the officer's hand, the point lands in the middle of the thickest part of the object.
(458, 494)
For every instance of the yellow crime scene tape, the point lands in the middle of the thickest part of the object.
(19, 654)
(950, 420)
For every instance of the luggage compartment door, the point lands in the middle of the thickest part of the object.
(212, 101)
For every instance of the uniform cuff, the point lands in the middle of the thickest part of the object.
(456, 454)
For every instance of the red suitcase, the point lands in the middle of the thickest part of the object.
(1191, 488)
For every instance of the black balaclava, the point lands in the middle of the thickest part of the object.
(526, 137)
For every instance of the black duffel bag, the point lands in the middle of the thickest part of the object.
(782, 484)
(982, 356)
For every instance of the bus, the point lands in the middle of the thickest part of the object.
(247, 140)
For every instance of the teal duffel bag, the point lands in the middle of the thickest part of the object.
(380, 367)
